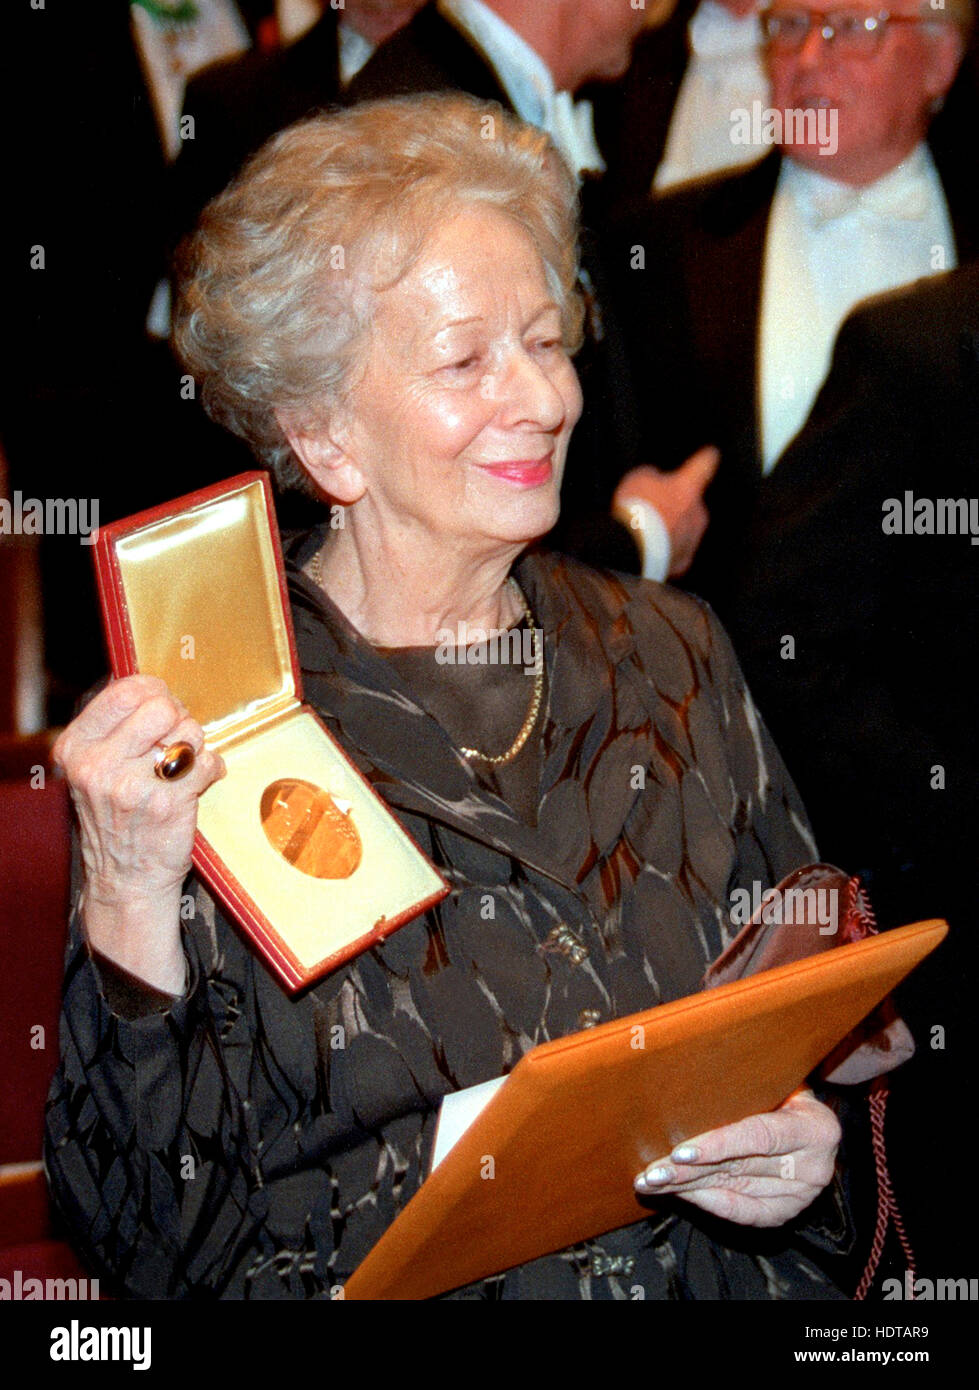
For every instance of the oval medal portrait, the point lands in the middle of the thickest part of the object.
(311, 829)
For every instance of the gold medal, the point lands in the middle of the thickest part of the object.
(311, 829)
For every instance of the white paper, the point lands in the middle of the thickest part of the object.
(458, 1112)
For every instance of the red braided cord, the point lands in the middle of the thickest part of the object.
(860, 913)
(878, 1099)
(887, 1208)
(859, 919)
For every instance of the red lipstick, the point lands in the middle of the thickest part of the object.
(521, 472)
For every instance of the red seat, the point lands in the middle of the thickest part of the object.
(34, 876)
(28, 1245)
(29, 1249)
(43, 1259)
(34, 881)
(22, 678)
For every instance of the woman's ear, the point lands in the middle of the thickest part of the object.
(320, 451)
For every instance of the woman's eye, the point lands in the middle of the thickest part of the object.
(548, 344)
(464, 363)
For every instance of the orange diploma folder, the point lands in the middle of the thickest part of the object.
(551, 1159)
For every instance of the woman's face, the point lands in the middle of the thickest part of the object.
(459, 427)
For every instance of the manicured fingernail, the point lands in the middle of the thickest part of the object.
(684, 1153)
(652, 1176)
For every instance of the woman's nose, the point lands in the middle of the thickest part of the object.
(529, 395)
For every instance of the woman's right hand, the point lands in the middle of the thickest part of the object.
(137, 831)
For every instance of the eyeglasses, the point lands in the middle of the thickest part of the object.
(853, 33)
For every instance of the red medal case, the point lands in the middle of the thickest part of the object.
(194, 592)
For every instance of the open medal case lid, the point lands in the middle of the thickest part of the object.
(293, 840)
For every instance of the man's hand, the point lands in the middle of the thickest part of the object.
(761, 1171)
(679, 499)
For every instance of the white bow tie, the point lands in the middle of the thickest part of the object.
(716, 33)
(572, 129)
(904, 201)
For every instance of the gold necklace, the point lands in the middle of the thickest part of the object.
(316, 566)
(473, 754)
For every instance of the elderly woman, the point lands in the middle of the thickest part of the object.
(384, 304)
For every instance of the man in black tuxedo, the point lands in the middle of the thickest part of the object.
(636, 117)
(712, 44)
(857, 623)
(732, 289)
(596, 48)
(534, 59)
(847, 625)
(238, 104)
(632, 115)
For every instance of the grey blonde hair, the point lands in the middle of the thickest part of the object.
(277, 282)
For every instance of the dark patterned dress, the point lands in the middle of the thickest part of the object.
(303, 1151)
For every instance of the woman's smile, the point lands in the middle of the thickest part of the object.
(459, 424)
(522, 473)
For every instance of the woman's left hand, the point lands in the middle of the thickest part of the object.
(761, 1171)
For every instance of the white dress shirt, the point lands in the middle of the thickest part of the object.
(828, 246)
(296, 17)
(355, 50)
(724, 74)
(651, 536)
(527, 81)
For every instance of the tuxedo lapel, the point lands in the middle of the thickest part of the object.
(952, 142)
(311, 65)
(633, 115)
(463, 61)
(428, 55)
(725, 271)
(238, 104)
